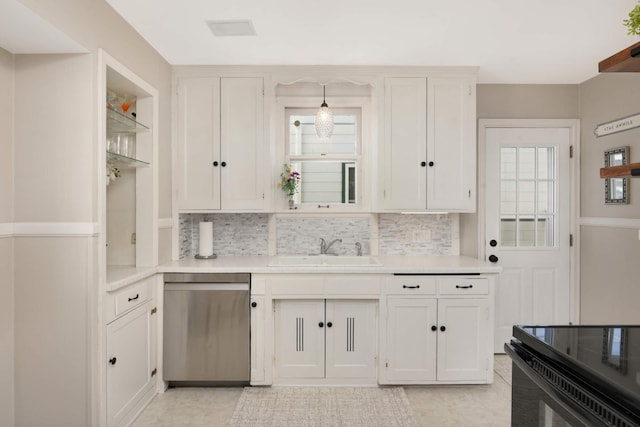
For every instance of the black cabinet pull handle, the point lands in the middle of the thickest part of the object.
(434, 328)
(411, 286)
(321, 324)
(134, 298)
(423, 164)
(329, 324)
(254, 304)
(431, 163)
(215, 163)
(442, 328)
(223, 164)
(493, 258)
(113, 360)
(464, 286)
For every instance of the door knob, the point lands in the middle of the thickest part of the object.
(493, 258)
(493, 243)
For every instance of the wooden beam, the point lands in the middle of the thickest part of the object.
(632, 169)
(627, 60)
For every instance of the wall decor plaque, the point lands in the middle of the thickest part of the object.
(616, 126)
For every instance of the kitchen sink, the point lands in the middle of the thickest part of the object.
(324, 261)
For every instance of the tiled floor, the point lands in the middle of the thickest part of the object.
(471, 405)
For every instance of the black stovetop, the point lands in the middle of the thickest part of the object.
(607, 357)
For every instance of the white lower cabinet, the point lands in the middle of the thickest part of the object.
(131, 362)
(317, 338)
(438, 330)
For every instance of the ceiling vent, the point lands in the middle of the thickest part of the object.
(232, 28)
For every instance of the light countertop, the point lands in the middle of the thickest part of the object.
(389, 265)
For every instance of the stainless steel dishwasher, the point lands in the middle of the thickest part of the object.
(206, 329)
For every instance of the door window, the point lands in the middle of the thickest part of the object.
(528, 187)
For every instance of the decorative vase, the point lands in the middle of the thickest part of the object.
(292, 203)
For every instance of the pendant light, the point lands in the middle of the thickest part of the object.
(324, 119)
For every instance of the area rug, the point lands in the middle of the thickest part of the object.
(322, 407)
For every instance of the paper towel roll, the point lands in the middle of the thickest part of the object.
(205, 247)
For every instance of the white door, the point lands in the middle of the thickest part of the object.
(411, 340)
(351, 339)
(528, 211)
(199, 143)
(299, 330)
(463, 330)
(241, 143)
(451, 144)
(405, 144)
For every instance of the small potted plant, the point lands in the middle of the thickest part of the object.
(289, 182)
(633, 23)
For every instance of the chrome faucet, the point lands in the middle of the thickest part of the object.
(324, 246)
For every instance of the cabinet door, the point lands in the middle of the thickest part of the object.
(199, 143)
(129, 370)
(257, 339)
(405, 139)
(242, 143)
(351, 339)
(463, 347)
(411, 342)
(299, 330)
(451, 144)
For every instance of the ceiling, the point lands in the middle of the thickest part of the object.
(511, 41)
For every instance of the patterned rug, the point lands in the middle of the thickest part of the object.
(323, 407)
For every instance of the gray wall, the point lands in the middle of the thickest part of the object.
(517, 102)
(56, 345)
(6, 242)
(610, 255)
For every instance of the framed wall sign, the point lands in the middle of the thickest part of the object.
(619, 125)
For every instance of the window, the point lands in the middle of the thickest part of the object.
(329, 169)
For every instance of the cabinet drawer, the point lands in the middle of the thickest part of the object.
(463, 286)
(411, 285)
(132, 296)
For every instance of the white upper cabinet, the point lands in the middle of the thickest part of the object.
(428, 154)
(221, 144)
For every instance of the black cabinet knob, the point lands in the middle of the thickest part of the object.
(254, 304)
(329, 324)
(493, 243)
(431, 163)
(423, 164)
(321, 324)
(113, 360)
(442, 328)
(493, 258)
(434, 328)
(223, 164)
(215, 163)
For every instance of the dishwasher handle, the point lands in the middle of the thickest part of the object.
(206, 287)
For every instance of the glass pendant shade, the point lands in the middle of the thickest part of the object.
(324, 120)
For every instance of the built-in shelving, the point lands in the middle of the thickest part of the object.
(118, 122)
(622, 171)
(121, 161)
(627, 60)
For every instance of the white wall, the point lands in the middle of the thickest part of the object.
(6, 242)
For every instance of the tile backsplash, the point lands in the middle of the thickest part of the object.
(233, 234)
(396, 234)
(437, 234)
(301, 236)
